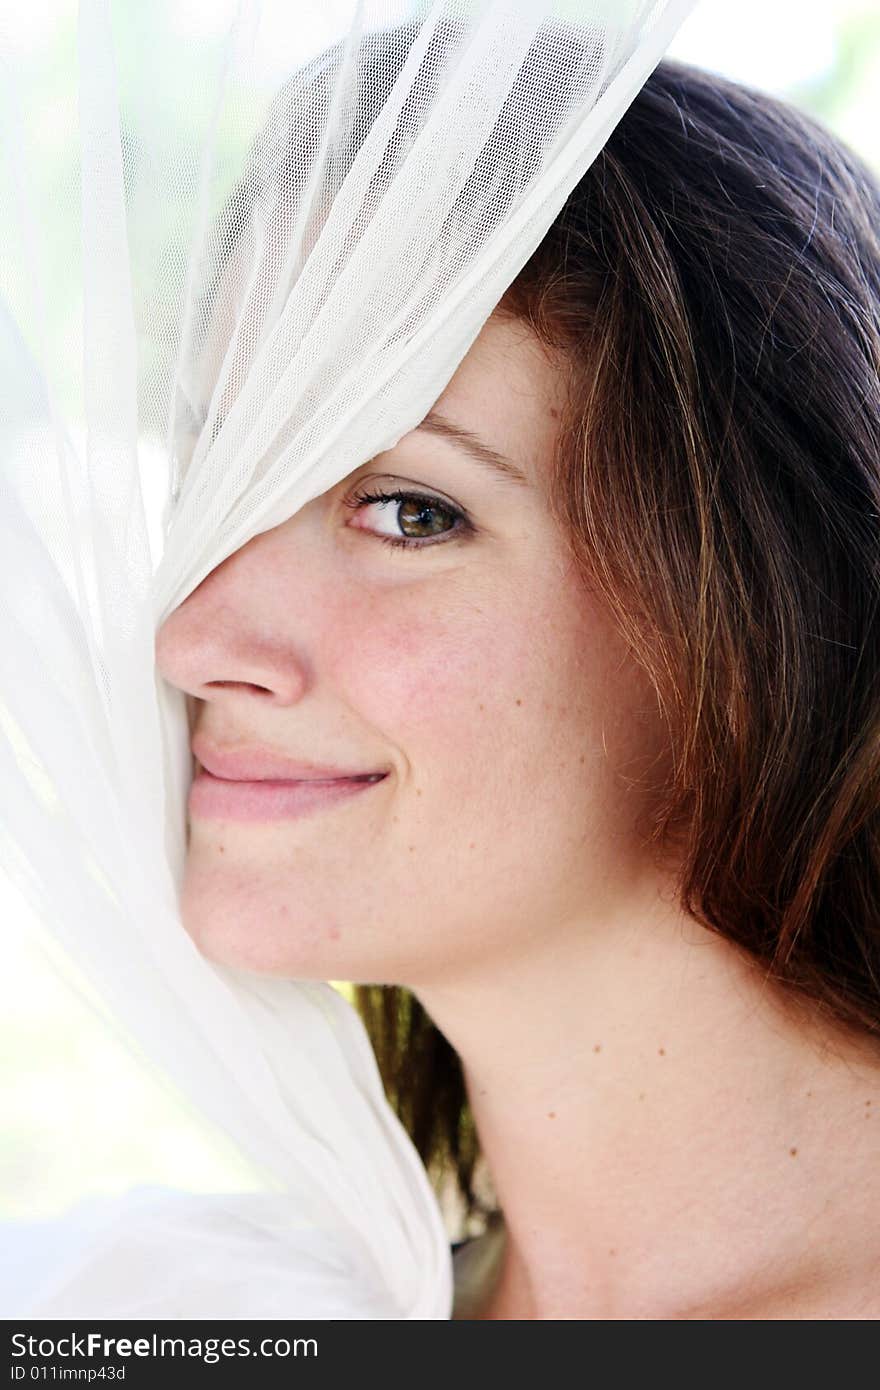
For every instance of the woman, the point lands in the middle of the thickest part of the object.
(600, 640)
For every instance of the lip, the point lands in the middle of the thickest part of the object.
(262, 764)
(217, 798)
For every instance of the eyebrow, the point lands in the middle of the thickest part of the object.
(437, 424)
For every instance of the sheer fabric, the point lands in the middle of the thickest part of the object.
(245, 248)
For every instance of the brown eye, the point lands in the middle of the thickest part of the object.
(419, 516)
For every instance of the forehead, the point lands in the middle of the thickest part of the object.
(508, 389)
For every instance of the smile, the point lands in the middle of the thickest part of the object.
(217, 798)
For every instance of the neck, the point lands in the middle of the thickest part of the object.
(664, 1140)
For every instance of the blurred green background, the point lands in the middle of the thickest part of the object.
(79, 1115)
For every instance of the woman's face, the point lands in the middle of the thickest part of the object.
(472, 666)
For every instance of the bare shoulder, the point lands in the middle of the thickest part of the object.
(852, 1305)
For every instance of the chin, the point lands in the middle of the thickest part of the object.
(257, 937)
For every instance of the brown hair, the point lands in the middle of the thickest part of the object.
(714, 283)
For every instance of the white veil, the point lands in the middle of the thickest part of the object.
(245, 247)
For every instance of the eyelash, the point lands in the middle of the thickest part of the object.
(462, 527)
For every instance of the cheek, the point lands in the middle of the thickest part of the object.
(488, 676)
(411, 661)
(429, 671)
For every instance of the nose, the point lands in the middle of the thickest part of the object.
(232, 637)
